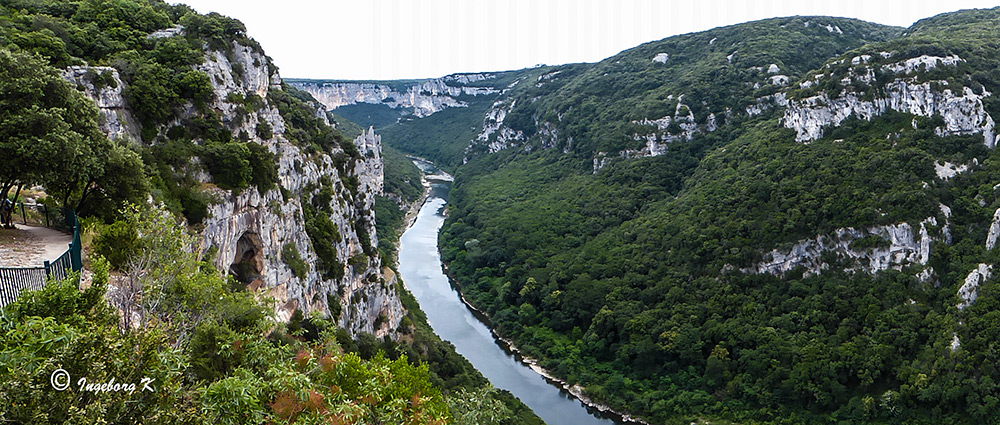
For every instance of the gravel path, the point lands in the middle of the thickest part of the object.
(30, 246)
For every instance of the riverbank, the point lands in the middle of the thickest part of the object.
(575, 390)
(456, 372)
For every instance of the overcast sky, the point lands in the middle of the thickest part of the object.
(397, 39)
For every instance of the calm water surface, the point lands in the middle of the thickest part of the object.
(420, 268)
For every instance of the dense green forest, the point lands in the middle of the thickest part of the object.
(632, 280)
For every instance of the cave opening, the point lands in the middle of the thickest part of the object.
(248, 263)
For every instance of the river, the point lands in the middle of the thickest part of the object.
(421, 269)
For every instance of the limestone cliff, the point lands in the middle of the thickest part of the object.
(249, 231)
(422, 98)
(104, 85)
(893, 246)
(960, 107)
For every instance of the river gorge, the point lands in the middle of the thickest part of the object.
(422, 271)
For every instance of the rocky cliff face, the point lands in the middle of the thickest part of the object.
(251, 231)
(895, 246)
(423, 98)
(960, 107)
(104, 85)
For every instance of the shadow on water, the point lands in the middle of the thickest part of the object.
(422, 271)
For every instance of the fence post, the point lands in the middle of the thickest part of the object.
(46, 270)
(24, 216)
(76, 248)
(46, 208)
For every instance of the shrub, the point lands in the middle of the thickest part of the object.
(116, 242)
(263, 167)
(290, 255)
(264, 130)
(229, 165)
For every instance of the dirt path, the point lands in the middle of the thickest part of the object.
(30, 246)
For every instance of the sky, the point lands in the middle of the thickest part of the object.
(403, 39)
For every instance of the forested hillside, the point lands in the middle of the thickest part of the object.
(785, 221)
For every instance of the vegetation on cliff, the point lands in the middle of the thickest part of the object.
(627, 279)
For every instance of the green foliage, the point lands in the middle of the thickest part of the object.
(264, 131)
(235, 166)
(291, 257)
(211, 352)
(116, 242)
(402, 177)
(304, 128)
(229, 165)
(478, 407)
(376, 115)
(628, 281)
(348, 128)
(63, 327)
(388, 225)
(323, 233)
(50, 137)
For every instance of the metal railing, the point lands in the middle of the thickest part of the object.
(15, 280)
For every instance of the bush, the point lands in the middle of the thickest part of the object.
(264, 170)
(324, 236)
(290, 255)
(264, 130)
(229, 165)
(116, 242)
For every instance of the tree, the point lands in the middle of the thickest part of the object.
(48, 130)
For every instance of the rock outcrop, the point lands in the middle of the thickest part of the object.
(105, 86)
(969, 291)
(991, 238)
(423, 98)
(899, 245)
(961, 108)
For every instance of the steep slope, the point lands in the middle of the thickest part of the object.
(638, 102)
(255, 168)
(820, 250)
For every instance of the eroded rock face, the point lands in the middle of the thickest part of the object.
(991, 238)
(493, 124)
(969, 291)
(961, 108)
(424, 99)
(105, 86)
(250, 229)
(904, 247)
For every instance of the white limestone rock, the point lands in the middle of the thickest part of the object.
(166, 33)
(963, 112)
(991, 238)
(969, 291)
(661, 58)
(424, 98)
(905, 247)
(948, 170)
(117, 120)
(921, 63)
